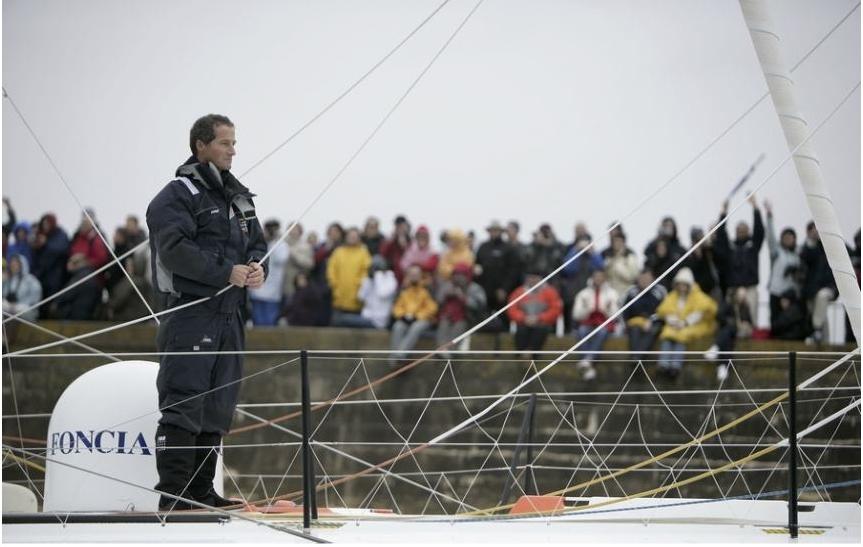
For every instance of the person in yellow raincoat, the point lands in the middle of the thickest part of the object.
(346, 269)
(458, 252)
(414, 311)
(689, 315)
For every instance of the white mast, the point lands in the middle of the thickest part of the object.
(766, 41)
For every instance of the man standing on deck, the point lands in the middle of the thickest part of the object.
(204, 235)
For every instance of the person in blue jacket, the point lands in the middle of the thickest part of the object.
(204, 236)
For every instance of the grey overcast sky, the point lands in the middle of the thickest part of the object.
(553, 111)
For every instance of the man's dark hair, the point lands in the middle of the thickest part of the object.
(204, 129)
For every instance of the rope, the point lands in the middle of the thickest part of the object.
(25, 461)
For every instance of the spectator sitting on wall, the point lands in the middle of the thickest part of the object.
(394, 248)
(413, 312)
(50, 252)
(21, 289)
(306, 302)
(378, 291)
(267, 299)
(458, 252)
(819, 286)
(461, 302)
(577, 273)
(80, 303)
(497, 270)
(372, 236)
(790, 320)
(735, 322)
(593, 306)
(642, 323)
(534, 315)
(689, 315)
(702, 264)
(348, 266)
(784, 264)
(621, 264)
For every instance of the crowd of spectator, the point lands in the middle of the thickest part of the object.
(362, 278)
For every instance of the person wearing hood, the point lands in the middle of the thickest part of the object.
(346, 269)
(301, 259)
(740, 257)
(21, 289)
(460, 301)
(419, 252)
(378, 291)
(414, 312)
(689, 316)
(204, 237)
(21, 245)
(592, 307)
(458, 252)
(50, 252)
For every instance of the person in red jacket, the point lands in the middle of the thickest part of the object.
(536, 314)
(87, 242)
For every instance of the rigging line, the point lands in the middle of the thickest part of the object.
(71, 286)
(614, 316)
(690, 480)
(98, 231)
(345, 93)
(232, 514)
(679, 448)
(375, 131)
(50, 332)
(826, 36)
(370, 466)
(308, 208)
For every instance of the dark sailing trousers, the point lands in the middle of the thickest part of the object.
(198, 393)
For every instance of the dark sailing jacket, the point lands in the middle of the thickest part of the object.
(201, 224)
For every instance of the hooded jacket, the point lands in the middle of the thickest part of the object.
(21, 247)
(201, 224)
(458, 253)
(783, 264)
(22, 290)
(417, 301)
(697, 314)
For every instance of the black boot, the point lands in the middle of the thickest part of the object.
(175, 465)
(206, 457)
